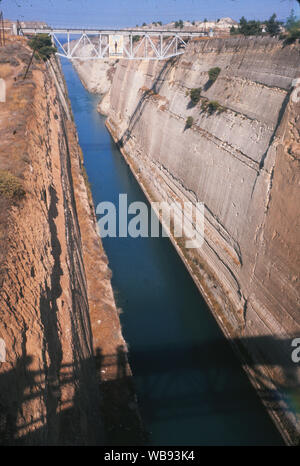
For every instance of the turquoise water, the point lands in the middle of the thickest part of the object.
(190, 385)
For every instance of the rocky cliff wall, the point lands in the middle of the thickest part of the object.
(242, 161)
(58, 320)
(97, 79)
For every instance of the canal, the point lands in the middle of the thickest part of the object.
(190, 385)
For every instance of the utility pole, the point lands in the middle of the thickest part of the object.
(31, 58)
(2, 34)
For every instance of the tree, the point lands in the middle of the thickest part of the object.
(291, 21)
(293, 33)
(273, 26)
(179, 24)
(42, 45)
(249, 28)
(234, 30)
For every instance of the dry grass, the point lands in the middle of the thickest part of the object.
(10, 186)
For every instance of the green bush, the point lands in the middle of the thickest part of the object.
(213, 73)
(136, 38)
(195, 95)
(42, 45)
(189, 122)
(214, 106)
(204, 105)
(10, 186)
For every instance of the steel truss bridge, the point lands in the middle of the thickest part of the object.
(136, 44)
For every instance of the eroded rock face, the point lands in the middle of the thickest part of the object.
(243, 163)
(58, 364)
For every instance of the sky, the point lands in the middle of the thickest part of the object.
(122, 13)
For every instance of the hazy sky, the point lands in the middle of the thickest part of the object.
(122, 13)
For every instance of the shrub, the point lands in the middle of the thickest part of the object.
(213, 73)
(195, 95)
(204, 105)
(189, 122)
(10, 186)
(42, 45)
(136, 38)
(214, 106)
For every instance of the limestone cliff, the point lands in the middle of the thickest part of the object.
(97, 79)
(58, 320)
(241, 158)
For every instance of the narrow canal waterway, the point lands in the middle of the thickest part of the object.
(190, 386)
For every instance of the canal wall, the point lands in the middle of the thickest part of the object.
(62, 349)
(241, 159)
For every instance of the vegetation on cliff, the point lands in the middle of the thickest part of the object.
(212, 106)
(293, 29)
(271, 26)
(42, 46)
(10, 186)
(195, 95)
(189, 122)
(213, 73)
(253, 28)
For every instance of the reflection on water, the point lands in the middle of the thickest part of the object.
(190, 386)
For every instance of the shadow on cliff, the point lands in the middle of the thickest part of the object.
(48, 312)
(75, 418)
(138, 111)
(172, 383)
